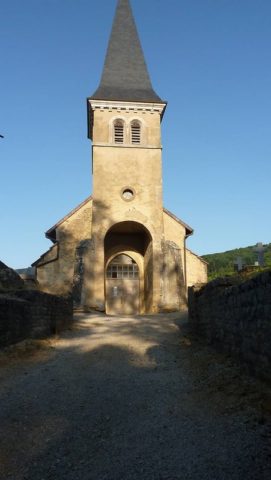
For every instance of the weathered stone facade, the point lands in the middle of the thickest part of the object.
(58, 269)
(62, 269)
(236, 318)
(124, 218)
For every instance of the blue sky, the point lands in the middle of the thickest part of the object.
(210, 59)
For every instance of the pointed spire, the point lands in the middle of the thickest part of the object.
(125, 75)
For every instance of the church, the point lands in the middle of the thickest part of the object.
(120, 251)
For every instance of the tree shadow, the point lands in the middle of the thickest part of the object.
(121, 405)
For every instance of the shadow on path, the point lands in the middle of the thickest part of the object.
(129, 398)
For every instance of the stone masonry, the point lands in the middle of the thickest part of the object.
(32, 314)
(236, 318)
(29, 313)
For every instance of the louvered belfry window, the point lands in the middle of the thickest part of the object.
(118, 131)
(135, 133)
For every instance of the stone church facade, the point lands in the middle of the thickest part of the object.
(120, 251)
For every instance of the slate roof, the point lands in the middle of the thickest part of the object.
(125, 75)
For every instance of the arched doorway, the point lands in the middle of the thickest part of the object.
(128, 269)
(122, 286)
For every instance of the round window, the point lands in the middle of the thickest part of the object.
(127, 194)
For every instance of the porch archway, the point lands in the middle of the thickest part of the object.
(127, 248)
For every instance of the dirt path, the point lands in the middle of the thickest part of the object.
(130, 398)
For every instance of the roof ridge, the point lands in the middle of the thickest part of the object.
(74, 210)
(198, 256)
(185, 225)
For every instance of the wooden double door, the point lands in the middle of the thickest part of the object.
(122, 286)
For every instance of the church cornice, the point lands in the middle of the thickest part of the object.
(141, 147)
(120, 107)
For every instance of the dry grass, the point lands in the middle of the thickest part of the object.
(27, 350)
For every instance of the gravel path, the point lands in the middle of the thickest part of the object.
(130, 398)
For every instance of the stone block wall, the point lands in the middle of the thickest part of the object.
(32, 314)
(9, 279)
(237, 318)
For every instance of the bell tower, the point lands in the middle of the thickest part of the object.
(120, 251)
(124, 118)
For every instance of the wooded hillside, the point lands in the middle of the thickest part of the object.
(221, 264)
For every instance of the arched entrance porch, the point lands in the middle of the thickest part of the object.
(128, 269)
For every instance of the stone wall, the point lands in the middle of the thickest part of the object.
(9, 279)
(237, 318)
(32, 314)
